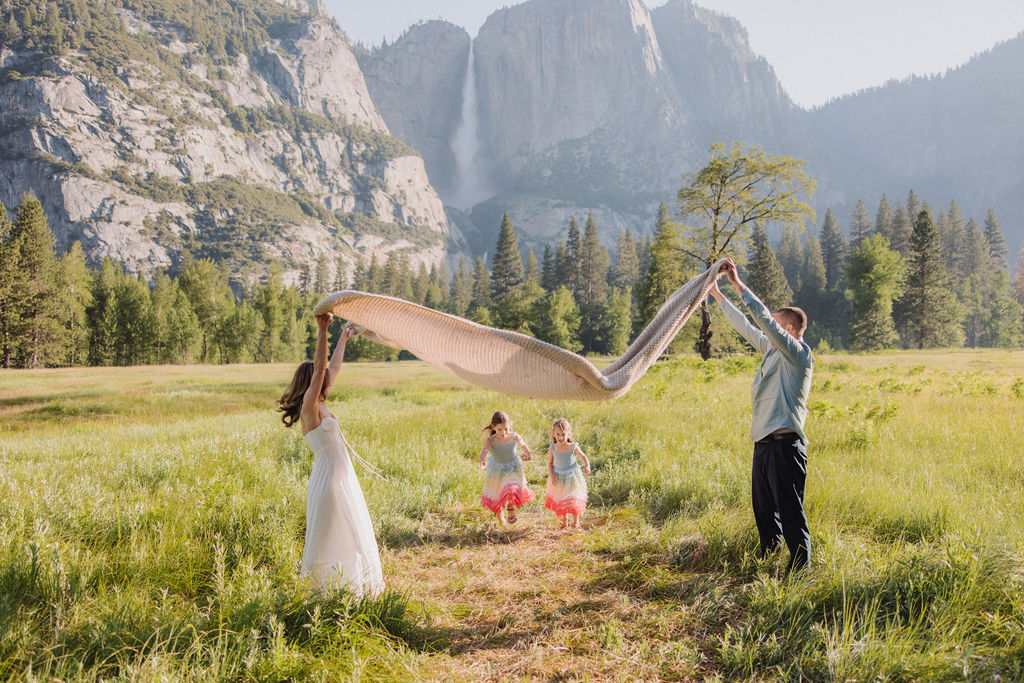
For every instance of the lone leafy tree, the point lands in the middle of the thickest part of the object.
(739, 187)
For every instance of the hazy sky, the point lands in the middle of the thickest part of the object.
(820, 48)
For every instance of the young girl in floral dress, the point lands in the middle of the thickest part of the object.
(505, 487)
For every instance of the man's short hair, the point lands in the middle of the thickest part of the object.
(795, 317)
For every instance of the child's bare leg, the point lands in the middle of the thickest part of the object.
(565, 521)
(575, 521)
(500, 514)
(510, 511)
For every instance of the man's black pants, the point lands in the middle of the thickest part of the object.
(777, 490)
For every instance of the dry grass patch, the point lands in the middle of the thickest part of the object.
(534, 601)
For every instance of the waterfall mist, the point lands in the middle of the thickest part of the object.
(471, 183)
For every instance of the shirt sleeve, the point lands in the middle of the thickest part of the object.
(793, 350)
(752, 334)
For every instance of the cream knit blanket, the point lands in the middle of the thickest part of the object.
(510, 362)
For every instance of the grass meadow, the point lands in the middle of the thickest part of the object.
(152, 519)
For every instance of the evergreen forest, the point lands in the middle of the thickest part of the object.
(906, 277)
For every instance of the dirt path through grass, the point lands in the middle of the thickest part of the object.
(534, 601)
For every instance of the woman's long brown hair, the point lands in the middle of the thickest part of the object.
(290, 402)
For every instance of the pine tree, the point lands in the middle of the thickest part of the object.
(594, 264)
(558, 319)
(1002, 326)
(883, 220)
(374, 279)
(972, 302)
(340, 274)
(811, 296)
(833, 312)
(814, 282)
(791, 255)
(570, 267)
(860, 224)
(901, 229)
(439, 276)
(927, 312)
(592, 295)
(206, 287)
(626, 271)
(1018, 280)
(833, 249)
(996, 239)
(462, 288)
(11, 287)
(564, 266)
(435, 297)
(532, 269)
(390, 278)
(176, 324)
(975, 255)
(665, 273)
(516, 311)
(239, 333)
(913, 209)
(952, 235)
(297, 327)
(507, 274)
(268, 303)
(549, 270)
(135, 323)
(37, 314)
(873, 276)
(421, 283)
(74, 289)
(481, 288)
(359, 274)
(402, 279)
(102, 314)
(764, 273)
(618, 323)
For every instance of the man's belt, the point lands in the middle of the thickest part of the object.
(778, 436)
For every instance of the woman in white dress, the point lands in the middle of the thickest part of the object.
(340, 548)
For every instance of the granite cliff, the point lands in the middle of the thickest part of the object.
(591, 105)
(253, 142)
(603, 105)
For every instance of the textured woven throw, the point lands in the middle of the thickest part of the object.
(510, 362)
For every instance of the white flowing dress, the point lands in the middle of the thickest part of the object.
(340, 548)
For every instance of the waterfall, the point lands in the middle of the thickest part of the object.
(470, 181)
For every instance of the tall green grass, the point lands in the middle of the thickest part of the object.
(151, 519)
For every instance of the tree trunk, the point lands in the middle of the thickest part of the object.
(704, 337)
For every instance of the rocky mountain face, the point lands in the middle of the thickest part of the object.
(594, 105)
(148, 138)
(417, 84)
(603, 105)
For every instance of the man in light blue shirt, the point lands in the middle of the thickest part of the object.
(779, 393)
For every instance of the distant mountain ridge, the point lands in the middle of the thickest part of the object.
(604, 104)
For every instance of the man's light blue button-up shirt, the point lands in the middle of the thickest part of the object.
(783, 382)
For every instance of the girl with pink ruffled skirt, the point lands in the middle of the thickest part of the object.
(566, 493)
(505, 488)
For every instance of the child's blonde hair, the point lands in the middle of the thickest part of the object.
(499, 418)
(563, 424)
